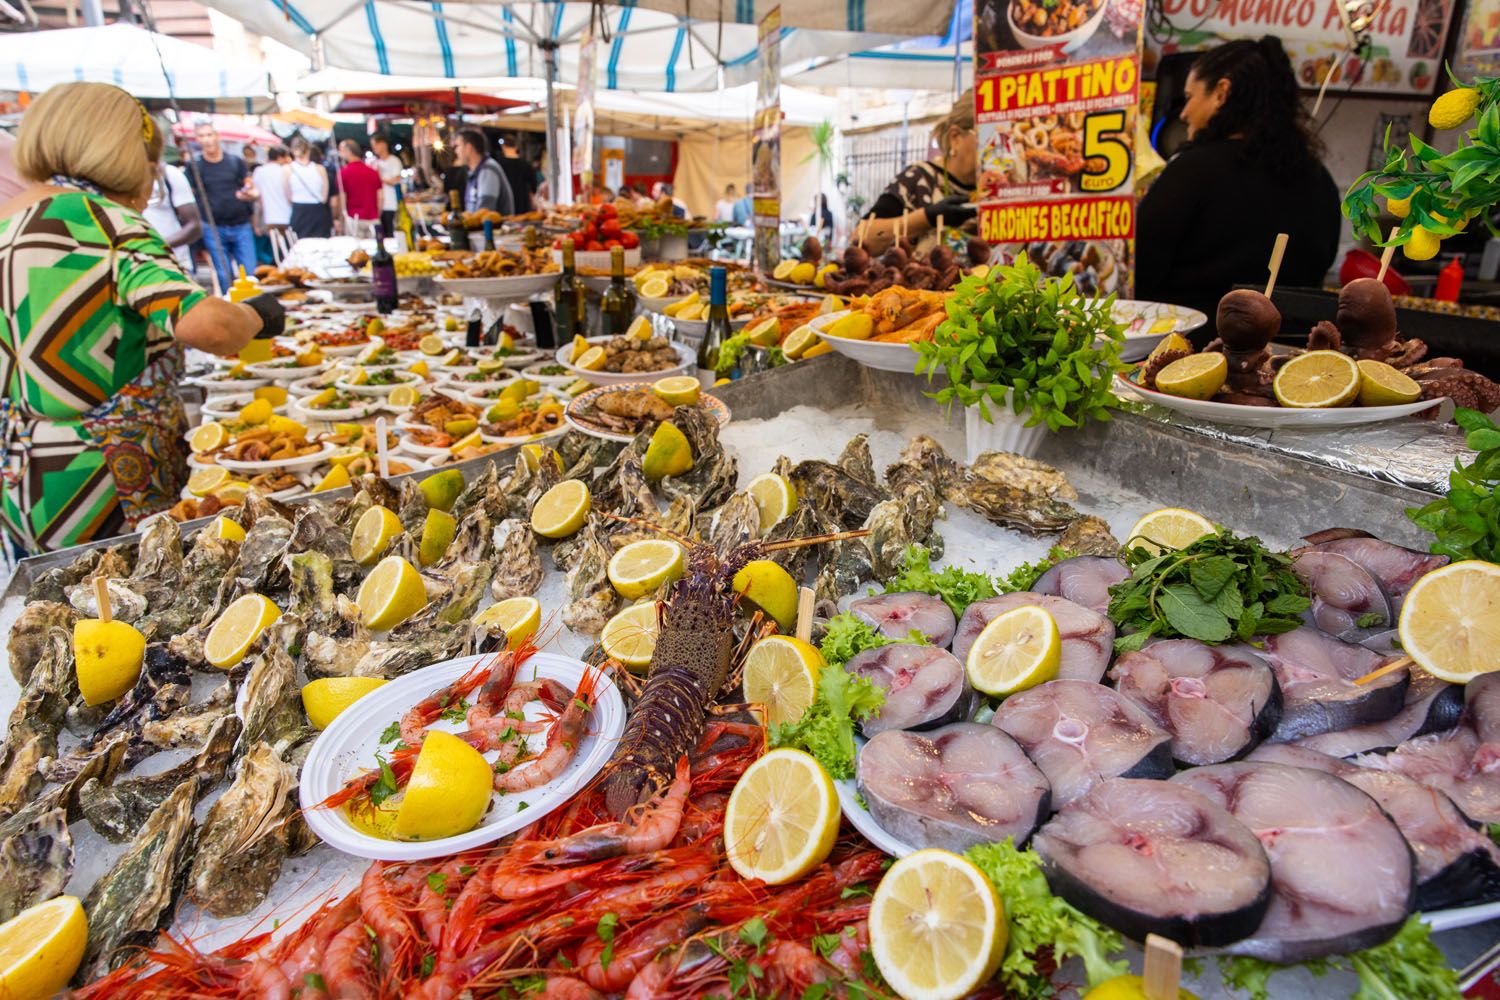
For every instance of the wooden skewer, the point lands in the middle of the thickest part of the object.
(1276, 254)
(1163, 968)
(1389, 668)
(940, 230)
(1385, 258)
(101, 597)
(804, 614)
(859, 235)
(381, 450)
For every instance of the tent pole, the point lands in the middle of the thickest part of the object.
(549, 48)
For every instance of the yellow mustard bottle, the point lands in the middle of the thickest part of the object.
(245, 287)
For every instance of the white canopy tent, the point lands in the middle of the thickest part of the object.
(940, 61)
(132, 58)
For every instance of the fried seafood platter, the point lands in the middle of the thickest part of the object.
(175, 780)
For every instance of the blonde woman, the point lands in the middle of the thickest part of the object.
(941, 186)
(90, 421)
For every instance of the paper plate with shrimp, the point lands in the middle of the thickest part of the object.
(395, 777)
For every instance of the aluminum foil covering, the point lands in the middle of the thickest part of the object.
(1407, 452)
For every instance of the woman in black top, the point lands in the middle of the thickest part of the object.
(1250, 170)
(942, 186)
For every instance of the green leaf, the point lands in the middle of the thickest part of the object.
(1211, 574)
(1190, 615)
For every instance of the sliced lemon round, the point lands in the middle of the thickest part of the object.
(207, 437)
(1197, 376)
(1168, 528)
(230, 531)
(1018, 650)
(630, 636)
(781, 673)
(782, 818)
(783, 269)
(562, 510)
(670, 453)
(325, 698)
(107, 657)
(207, 479)
(391, 594)
(937, 926)
(337, 479)
(238, 627)
(517, 617)
(449, 790)
(769, 587)
(40, 948)
(591, 360)
(679, 390)
(404, 395)
(655, 287)
(1450, 622)
(798, 341)
(1382, 385)
(775, 498)
(372, 533)
(1317, 380)
(641, 567)
(437, 534)
(432, 345)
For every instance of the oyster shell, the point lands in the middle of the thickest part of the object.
(159, 555)
(128, 903)
(1012, 507)
(270, 701)
(478, 493)
(844, 498)
(31, 736)
(247, 835)
(891, 529)
(36, 861)
(855, 458)
(125, 601)
(518, 564)
(190, 726)
(52, 585)
(104, 766)
(714, 474)
(116, 810)
(593, 598)
(735, 523)
(1089, 536)
(28, 636)
(411, 508)
(314, 531)
(337, 644)
(1023, 473)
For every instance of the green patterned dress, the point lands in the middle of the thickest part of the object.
(91, 422)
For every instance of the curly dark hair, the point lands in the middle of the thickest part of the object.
(1264, 106)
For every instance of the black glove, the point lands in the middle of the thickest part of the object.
(955, 210)
(272, 315)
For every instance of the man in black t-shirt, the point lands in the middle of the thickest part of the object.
(226, 203)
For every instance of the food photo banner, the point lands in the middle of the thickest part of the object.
(1055, 102)
(1406, 36)
(765, 149)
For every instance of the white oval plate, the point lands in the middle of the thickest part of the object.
(1274, 416)
(517, 287)
(228, 407)
(348, 746)
(575, 416)
(698, 327)
(420, 450)
(270, 370)
(687, 358)
(407, 378)
(218, 383)
(289, 464)
(309, 386)
(862, 819)
(347, 351)
(309, 415)
(526, 438)
(870, 353)
(557, 381)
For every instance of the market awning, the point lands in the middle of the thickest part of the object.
(129, 57)
(890, 17)
(638, 50)
(943, 61)
(396, 102)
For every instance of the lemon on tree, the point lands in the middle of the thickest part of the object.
(372, 534)
(1450, 621)
(517, 617)
(237, 628)
(630, 636)
(448, 792)
(781, 673)
(937, 926)
(1018, 650)
(782, 818)
(775, 498)
(562, 510)
(41, 947)
(642, 566)
(391, 594)
(325, 698)
(1454, 108)
(1168, 528)
(1423, 244)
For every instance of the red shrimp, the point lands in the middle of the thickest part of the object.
(634, 948)
(304, 948)
(266, 981)
(543, 689)
(657, 824)
(347, 963)
(384, 915)
(562, 741)
(436, 894)
(425, 712)
(567, 988)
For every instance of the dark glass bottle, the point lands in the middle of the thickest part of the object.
(383, 273)
(718, 329)
(568, 300)
(489, 235)
(458, 236)
(618, 306)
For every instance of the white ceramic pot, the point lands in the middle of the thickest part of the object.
(1004, 431)
(673, 247)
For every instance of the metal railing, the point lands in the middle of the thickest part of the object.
(871, 162)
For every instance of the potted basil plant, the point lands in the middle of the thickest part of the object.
(1024, 354)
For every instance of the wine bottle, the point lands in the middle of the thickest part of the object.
(718, 327)
(383, 273)
(489, 235)
(458, 236)
(618, 306)
(403, 223)
(568, 300)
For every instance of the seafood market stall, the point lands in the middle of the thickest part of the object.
(807, 413)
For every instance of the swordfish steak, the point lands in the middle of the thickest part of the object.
(1342, 875)
(1317, 673)
(924, 686)
(1155, 857)
(1088, 638)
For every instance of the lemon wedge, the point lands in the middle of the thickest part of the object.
(391, 594)
(517, 617)
(337, 479)
(591, 360)
(679, 390)
(775, 498)
(781, 673)
(274, 394)
(41, 947)
(237, 628)
(207, 479)
(449, 790)
(769, 587)
(257, 411)
(325, 698)
(372, 534)
(937, 926)
(1197, 376)
(669, 453)
(562, 510)
(642, 566)
(630, 636)
(107, 657)
(798, 341)
(222, 527)
(420, 368)
(442, 489)
(437, 534)
(1018, 650)
(782, 818)
(404, 395)
(575, 351)
(1382, 385)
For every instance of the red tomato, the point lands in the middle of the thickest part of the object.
(610, 230)
(594, 246)
(629, 240)
(610, 245)
(608, 211)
